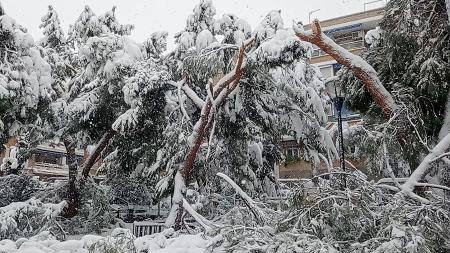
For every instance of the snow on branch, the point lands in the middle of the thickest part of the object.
(189, 93)
(249, 202)
(422, 170)
(360, 67)
(205, 223)
(228, 83)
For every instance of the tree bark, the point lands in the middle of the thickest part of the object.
(2, 11)
(356, 64)
(73, 195)
(101, 145)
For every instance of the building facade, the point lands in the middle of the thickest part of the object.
(48, 162)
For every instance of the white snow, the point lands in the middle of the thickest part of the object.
(120, 240)
(204, 39)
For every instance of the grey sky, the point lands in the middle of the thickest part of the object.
(170, 15)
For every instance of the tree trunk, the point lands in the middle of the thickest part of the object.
(73, 196)
(2, 11)
(101, 145)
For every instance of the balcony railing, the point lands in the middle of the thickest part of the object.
(349, 46)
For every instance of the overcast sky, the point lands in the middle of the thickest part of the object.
(170, 15)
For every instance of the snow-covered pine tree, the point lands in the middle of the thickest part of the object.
(63, 62)
(140, 127)
(119, 89)
(409, 33)
(279, 93)
(25, 87)
(106, 58)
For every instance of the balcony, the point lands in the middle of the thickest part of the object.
(354, 45)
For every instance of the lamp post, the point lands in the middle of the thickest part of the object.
(310, 13)
(336, 93)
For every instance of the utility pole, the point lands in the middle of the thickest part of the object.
(311, 12)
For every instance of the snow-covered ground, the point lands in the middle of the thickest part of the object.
(120, 240)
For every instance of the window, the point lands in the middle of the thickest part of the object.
(327, 71)
(293, 152)
(50, 158)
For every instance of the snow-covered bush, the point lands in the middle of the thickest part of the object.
(17, 188)
(365, 217)
(25, 219)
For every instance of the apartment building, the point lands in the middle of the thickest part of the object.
(49, 160)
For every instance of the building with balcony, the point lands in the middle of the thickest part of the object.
(48, 161)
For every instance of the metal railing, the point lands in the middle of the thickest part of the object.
(141, 228)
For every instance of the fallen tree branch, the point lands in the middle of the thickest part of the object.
(422, 170)
(205, 223)
(249, 202)
(356, 64)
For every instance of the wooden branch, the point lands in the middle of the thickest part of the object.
(200, 127)
(362, 70)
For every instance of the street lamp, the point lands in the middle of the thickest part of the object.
(309, 14)
(336, 93)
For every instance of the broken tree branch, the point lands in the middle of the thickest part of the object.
(227, 83)
(356, 64)
(422, 170)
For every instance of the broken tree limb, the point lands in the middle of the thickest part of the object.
(225, 85)
(356, 64)
(205, 223)
(423, 169)
(249, 202)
